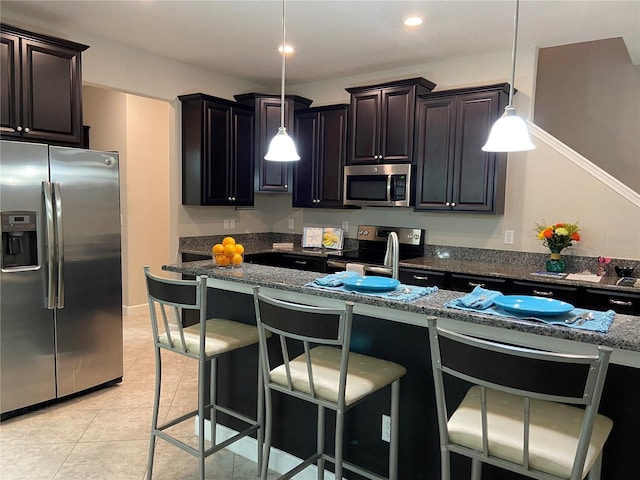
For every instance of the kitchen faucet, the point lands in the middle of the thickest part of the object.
(392, 255)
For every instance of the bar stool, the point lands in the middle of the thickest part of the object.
(203, 342)
(519, 413)
(327, 375)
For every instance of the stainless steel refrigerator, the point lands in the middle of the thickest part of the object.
(61, 280)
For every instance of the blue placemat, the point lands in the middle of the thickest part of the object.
(477, 301)
(403, 293)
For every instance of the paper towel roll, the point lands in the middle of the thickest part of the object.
(355, 267)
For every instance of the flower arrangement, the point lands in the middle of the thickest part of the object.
(558, 236)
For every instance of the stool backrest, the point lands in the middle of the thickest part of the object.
(307, 325)
(529, 373)
(169, 297)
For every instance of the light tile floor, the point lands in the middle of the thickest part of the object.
(104, 435)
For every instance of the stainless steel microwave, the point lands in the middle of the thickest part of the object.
(378, 185)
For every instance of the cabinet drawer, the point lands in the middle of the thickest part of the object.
(557, 292)
(466, 283)
(302, 262)
(422, 278)
(619, 302)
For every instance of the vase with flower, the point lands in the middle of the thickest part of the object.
(557, 237)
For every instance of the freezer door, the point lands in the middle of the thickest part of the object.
(27, 363)
(89, 293)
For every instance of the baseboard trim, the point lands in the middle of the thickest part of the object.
(247, 447)
(588, 166)
(135, 310)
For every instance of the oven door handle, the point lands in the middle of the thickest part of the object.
(336, 264)
(376, 269)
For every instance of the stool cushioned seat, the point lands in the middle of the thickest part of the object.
(221, 336)
(365, 374)
(554, 431)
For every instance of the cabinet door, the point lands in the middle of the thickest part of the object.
(51, 92)
(422, 278)
(466, 283)
(332, 156)
(396, 125)
(476, 175)
(271, 176)
(241, 178)
(9, 84)
(304, 171)
(365, 127)
(557, 292)
(434, 153)
(619, 302)
(217, 159)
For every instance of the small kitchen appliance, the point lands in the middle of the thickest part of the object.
(378, 185)
(372, 246)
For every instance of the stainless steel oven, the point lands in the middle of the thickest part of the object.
(372, 244)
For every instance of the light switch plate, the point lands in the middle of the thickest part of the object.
(508, 237)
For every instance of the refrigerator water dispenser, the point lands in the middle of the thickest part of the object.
(19, 240)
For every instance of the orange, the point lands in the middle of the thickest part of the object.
(229, 250)
(236, 259)
(217, 249)
(222, 260)
(229, 241)
(239, 248)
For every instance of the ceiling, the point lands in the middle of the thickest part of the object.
(331, 38)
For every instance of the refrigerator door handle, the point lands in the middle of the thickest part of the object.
(57, 198)
(51, 263)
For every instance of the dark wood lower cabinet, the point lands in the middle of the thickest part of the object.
(556, 292)
(419, 457)
(422, 278)
(466, 283)
(619, 302)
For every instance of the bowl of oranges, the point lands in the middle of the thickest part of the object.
(228, 254)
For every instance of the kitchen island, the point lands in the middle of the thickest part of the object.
(395, 330)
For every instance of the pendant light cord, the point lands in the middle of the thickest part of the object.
(283, 69)
(513, 53)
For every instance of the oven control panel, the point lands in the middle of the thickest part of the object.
(407, 236)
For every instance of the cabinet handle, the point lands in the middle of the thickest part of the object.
(621, 302)
(27, 129)
(448, 204)
(420, 277)
(19, 128)
(286, 186)
(300, 262)
(481, 285)
(229, 198)
(540, 293)
(233, 198)
(453, 204)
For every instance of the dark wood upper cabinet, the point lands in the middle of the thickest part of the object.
(454, 174)
(271, 176)
(321, 137)
(382, 121)
(41, 88)
(217, 151)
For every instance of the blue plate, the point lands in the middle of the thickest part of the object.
(370, 284)
(538, 306)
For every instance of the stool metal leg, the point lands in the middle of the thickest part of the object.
(476, 469)
(266, 449)
(594, 473)
(213, 400)
(395, 419)
(154, 418)
(201, 397)
(260, 415)
(320, 439)
(338, 442)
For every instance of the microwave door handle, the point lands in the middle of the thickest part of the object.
(50, 242)
(60, 243)
(389, 180)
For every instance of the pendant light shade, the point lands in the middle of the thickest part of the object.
(510, 132)
(282, 148)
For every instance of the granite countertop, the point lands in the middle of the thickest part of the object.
(499, 264)
(624, 333)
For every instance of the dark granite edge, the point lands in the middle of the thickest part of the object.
(623, 334)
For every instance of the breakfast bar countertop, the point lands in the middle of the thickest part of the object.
(623, 335)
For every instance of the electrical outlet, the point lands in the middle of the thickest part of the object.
(226, 224)
(386, 428)
(232, 223)
(345, 227)
(291, 224)
(508, 237)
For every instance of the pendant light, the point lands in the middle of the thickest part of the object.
(282, 148)
(510, 132)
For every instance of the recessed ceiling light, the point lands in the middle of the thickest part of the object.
(413, 21)
(287, 49)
